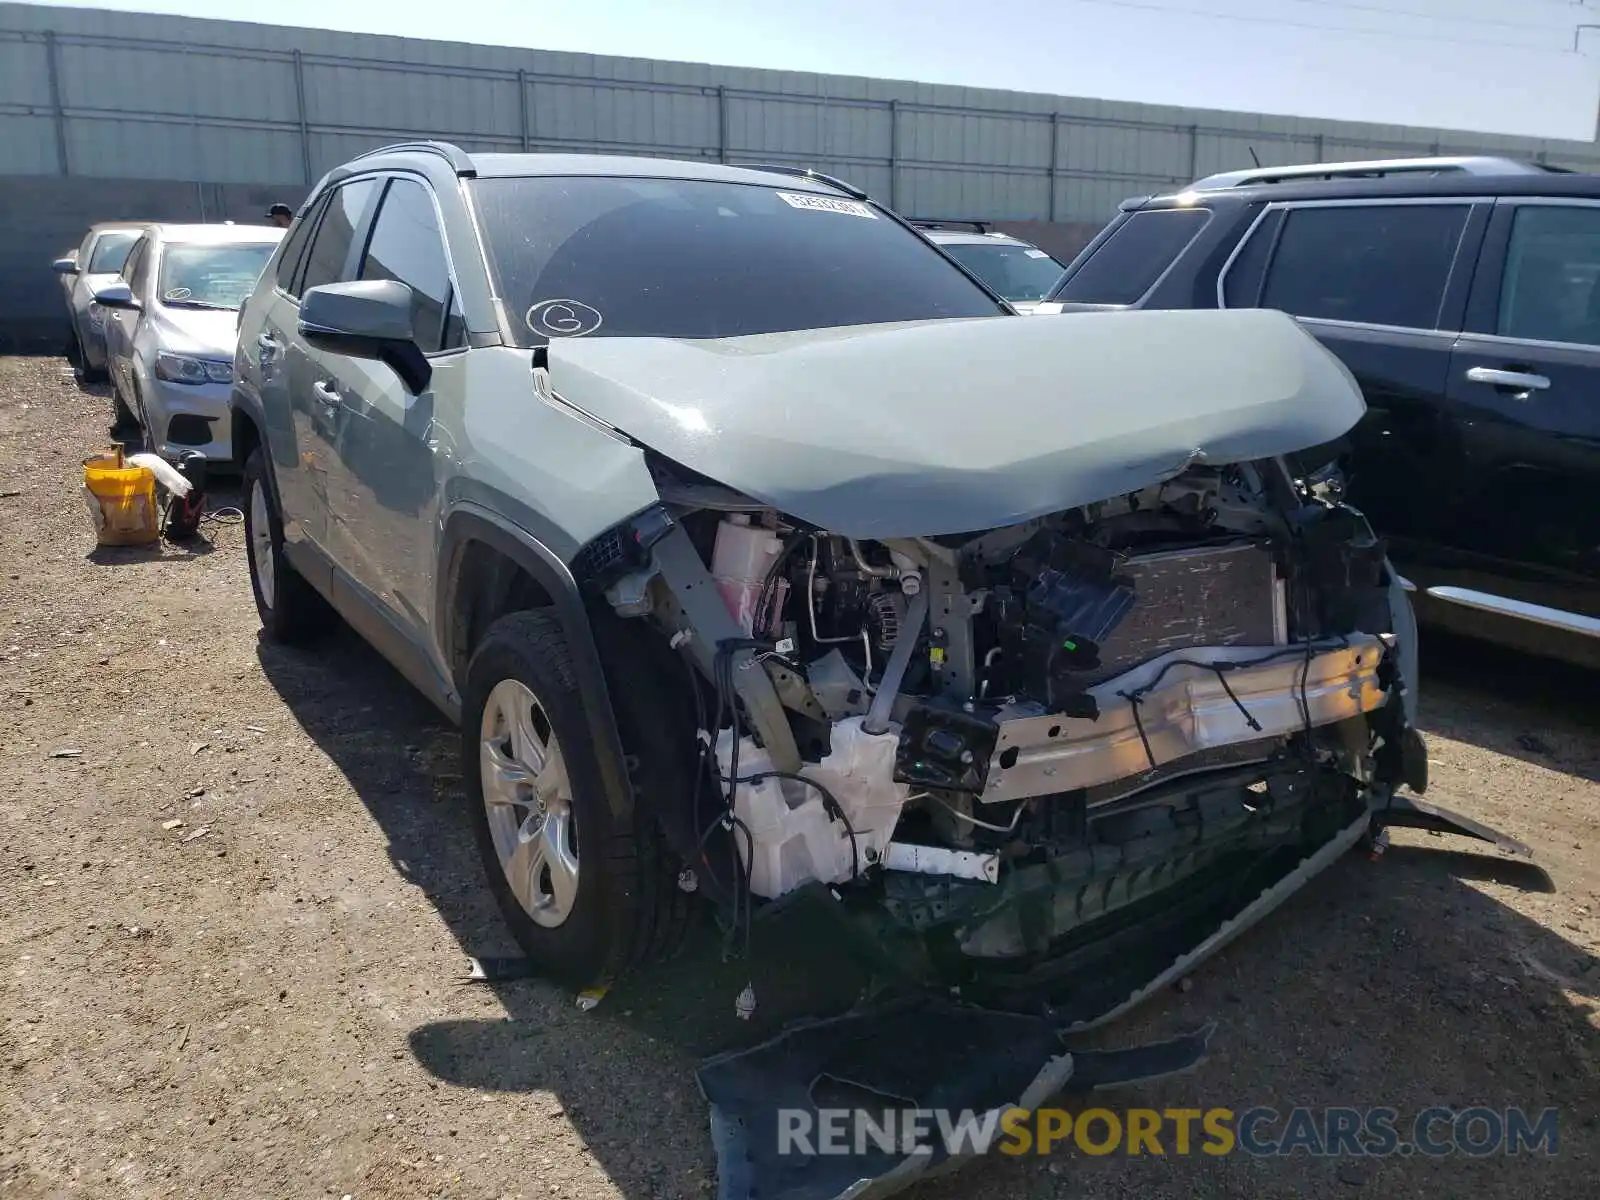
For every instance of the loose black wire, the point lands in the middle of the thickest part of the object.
(1222, 678)
(770, 583)
(1135, 696)
(1135, 699)
(829, 802)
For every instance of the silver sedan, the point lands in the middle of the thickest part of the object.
(171, 331)
(97, 262)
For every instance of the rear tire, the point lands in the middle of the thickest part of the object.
(593, 900)
(291, 610)
(81, 371)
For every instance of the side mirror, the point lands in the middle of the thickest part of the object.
(115, 295)
(67, 264)
(367, 319)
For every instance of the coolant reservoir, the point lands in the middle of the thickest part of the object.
(740, 560)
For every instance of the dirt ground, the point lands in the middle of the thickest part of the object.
(239, 896)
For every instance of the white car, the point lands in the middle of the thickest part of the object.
(171, 329)
(94, 264)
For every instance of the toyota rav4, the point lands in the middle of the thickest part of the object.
(761, 553)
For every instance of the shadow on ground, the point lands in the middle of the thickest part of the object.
(1539, 710)
(1399, 983)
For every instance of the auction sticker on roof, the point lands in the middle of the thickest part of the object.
(851, 208)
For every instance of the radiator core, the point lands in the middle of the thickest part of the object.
(1203, 596)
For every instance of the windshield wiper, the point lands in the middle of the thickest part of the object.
(200, 304)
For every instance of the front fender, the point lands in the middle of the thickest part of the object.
(467, 523)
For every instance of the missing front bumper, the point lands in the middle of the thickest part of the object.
(1184, 703)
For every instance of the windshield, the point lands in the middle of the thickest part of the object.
(1019, 273)
(111, 251)
(201, 275)
(640, 257)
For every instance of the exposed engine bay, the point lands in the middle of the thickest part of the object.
(1006, 736)
(1034, 716)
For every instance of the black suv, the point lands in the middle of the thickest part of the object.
(1464, 295)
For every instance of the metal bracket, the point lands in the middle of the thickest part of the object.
(707, 617)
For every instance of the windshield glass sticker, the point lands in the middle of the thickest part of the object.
(1036, 254)
(853, 208)
(562, 318)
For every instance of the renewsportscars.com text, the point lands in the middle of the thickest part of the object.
(1258, 1131)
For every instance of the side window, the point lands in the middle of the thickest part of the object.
(1130, 262)
(1241, 287)
(408, 247)
(1380, 264)
(134, 269)
(330, 247)
(294, 248)
(1551, 288)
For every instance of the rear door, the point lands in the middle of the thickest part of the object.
(267, 326)
(1525, 391)
(305, 452)
(1382, 284)
(382, 478)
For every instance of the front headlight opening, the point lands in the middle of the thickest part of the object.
(182, 368)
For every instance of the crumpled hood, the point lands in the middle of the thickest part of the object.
(953, 426)
(211, 332)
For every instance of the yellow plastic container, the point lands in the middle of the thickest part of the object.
(122, 501)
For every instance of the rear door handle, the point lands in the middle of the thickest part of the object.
(1520, 381)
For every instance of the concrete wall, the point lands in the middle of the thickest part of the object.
(46, 217)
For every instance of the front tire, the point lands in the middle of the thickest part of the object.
(581, 889)
(122, 416)
(291, 610)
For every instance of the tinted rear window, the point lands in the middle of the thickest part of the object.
(1379, 264)
(620, 257)
(1129, 262)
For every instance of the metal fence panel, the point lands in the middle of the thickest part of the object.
(136, 96)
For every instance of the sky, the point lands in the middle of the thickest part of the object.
(1500, 66)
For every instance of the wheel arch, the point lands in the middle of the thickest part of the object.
(246, 435)
(473, 537)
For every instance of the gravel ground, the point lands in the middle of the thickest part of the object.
(239, 915)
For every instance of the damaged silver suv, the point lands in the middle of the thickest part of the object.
(763, 555)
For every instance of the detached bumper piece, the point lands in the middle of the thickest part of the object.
(875, 1063)
(1408, 812)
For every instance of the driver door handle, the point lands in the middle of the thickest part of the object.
(1521, 381)
(327, 393)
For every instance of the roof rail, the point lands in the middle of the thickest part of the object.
(1372, 169)
(849, 189)
(458, 158)
(948, 222)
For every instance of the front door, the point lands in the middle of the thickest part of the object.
(383, 483)
(120, 324)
